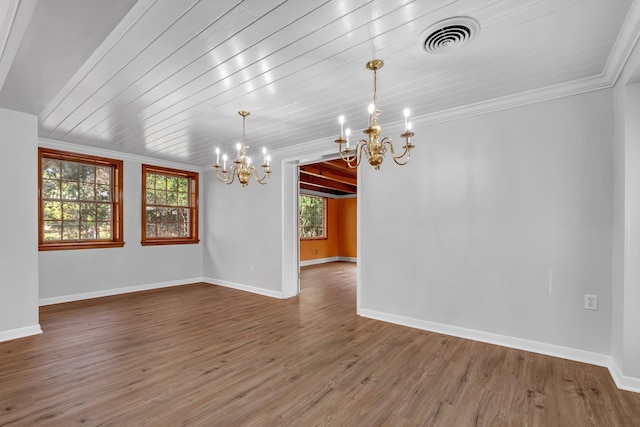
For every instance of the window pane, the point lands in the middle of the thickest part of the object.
(151, 230)
(88, 230)
(52, 211)
(70, 212)
(172, 183)
(103, 193)
(87, 191)
(69, 190)
(183, 185)
(87, 211)
(50, 168)
(172, 198)
(151, 214)
(173, 230)
(52, 230)
(103, 175)
(162, 229)
(87, 174)
(161, 197)
(69, 171)
(161, 182)
(172, 215)
(183, 215)
(70, 230)
(50, 189)
(151, 181)
(312, 216)
(103, 212)
(183, 199)
(150, 197)
(104, 230)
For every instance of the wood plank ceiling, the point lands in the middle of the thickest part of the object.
(165, 78)
(330, 177)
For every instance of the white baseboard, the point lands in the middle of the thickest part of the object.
(623, 383)
(326, 260)
(13, 334)
(598, 359)
(318, 261)
(246, 288)
(117, 291)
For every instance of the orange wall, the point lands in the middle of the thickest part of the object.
(341, 233)
(347, 228)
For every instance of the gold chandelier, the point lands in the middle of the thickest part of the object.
(242, 167)
(373, 148)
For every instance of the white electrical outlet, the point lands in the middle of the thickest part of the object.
(590, 302)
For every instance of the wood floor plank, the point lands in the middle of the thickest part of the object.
(204, 355)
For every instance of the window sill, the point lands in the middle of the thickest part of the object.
(161, 242)
(78, 245)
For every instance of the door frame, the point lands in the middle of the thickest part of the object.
(290, 238)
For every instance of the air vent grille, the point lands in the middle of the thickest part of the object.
(449, 34)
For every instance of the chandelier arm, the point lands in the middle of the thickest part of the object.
(229, 176)
(224, 176)
(407, 151)
(357, 155)
(265, 179)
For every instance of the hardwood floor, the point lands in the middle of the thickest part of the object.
(210, 356)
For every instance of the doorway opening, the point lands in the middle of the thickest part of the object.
(327, 212)
(327, 219)
(291, 178)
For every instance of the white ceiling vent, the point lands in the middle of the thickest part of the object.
(449, 34)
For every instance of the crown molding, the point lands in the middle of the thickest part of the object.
(102, 152)
(534, 96)
(626, 41)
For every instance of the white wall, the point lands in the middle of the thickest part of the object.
(19, 219)
(500, 223)
(244, 230)
(76, 274)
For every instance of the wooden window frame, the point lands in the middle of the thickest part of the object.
(193, 207)
(117, 208)
(325, 207)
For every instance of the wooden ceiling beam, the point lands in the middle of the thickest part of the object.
(327, 182)
(311, 187)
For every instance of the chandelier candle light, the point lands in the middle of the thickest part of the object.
(373, 148)
(242, 167)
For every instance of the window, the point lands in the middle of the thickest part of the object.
(313, 216)
(169, 206)
(80, 201)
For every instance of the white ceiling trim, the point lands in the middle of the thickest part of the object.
(85, 149)
(518, 100)
(134, 15)
(577, 87)
(623, 47)
(12, 29)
